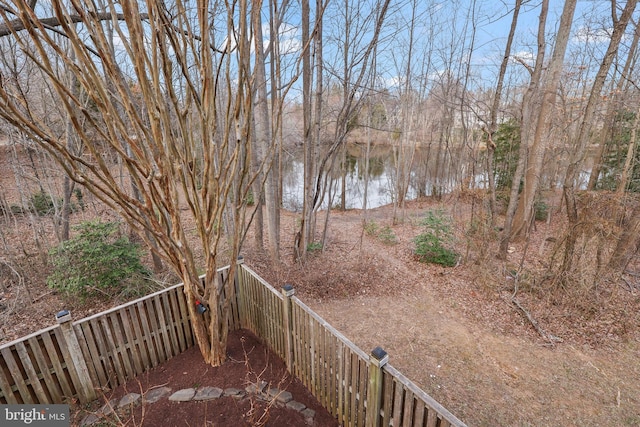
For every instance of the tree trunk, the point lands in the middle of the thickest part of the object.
(530, 110)
(303, 236)
(524, 215)
(628, 243)
(264, 137)
(582, 140)
(622, 86)
(495, 106)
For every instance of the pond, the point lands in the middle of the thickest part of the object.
(382, 174)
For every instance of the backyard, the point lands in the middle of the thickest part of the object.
(454, 331)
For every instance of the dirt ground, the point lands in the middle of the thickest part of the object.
(453, 331)
(456, 334)
(248, 363)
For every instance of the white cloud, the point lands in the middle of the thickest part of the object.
(523, 57)
(592, 35)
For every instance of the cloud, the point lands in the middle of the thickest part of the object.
(523, 57)
(289, 35)
(592, 35)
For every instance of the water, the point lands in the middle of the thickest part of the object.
(381, 186)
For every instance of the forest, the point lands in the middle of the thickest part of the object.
(175, 124)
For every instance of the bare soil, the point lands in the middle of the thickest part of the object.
(248, 363)
(453, 331)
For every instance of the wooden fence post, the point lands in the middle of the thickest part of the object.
(287, 325)
(77, 366)
(240, 289)
(378, 359)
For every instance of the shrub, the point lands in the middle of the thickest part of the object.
(97, 261)
(387, 236)
(314, 246)
(433, 244)
(384, 234)
(541, 210)
(371, 228)
(42, 203)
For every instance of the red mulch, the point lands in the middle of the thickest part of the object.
(248, 361)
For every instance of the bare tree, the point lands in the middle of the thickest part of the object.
(568, 189)
(525, 213)
(495, 106)
(188, 157)
(358, 57)
(528, 117)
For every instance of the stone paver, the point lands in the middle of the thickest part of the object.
(208, 393)
(308, 413)
(296, 406)
(259, 390)
(184, 395)
(256, 388)
(128, 399)
(109, 408)
(283, 396)
(234, 392)
(89, 420)
(152, 396)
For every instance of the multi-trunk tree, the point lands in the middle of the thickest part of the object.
(172, 104)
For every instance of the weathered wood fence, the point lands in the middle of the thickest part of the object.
(78, 359)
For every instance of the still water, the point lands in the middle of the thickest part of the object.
(382, 178)
(431, 171)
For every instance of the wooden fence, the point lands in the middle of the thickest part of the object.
(76, 359)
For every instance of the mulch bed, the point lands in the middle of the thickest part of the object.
(248, 362)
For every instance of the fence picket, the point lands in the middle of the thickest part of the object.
(55, 362)
(122, 342)
(185, 323)
(5, 387)
(176, 323)
(25, 395)
(132, 352)
(387, 398)
(54, 392)
(32, 376)
(111, 354)
(408, 410)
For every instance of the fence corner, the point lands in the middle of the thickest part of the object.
(77, 367)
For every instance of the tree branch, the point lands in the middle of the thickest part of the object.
(16, 25)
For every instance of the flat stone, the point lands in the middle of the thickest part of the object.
(208, 393)
(184, 395)
(256, 388)
(152, 396)
(234, 392)
(109, 407)
(89, 420)
(308, 413)
(129, 399)
(296, 406)
(281, 396)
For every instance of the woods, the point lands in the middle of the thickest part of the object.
(178, 117)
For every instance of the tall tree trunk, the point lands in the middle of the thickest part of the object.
(264, 137)
(628, 243)
(303, 236)
(524, 215)
(627, 169)
(582, 140)
(529, 114)
(495, 106)
(623, 84)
